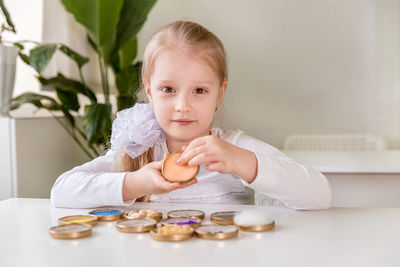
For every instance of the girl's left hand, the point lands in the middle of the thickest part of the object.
(220, 156)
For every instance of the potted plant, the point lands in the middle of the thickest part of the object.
(8, 57)
(111, 31)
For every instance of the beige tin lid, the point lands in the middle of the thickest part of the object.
(256, 228)
(198, 214)
(172, 233)
(177, 173)
(135, 225)
(70, 231)
(223, 217)
(216, 232)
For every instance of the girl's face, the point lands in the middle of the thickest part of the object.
(185, 92)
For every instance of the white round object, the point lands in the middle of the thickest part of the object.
(252, 217)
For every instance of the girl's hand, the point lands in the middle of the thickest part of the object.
(149, 180)
(220, 156)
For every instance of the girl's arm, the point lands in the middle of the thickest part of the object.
(92, 184)
(282, 178)
(261, 167)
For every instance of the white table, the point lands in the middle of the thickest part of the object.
(336, 237)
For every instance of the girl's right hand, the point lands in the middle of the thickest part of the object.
(149, 180)
(156, 183)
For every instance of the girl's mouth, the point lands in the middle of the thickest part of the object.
(183, 122)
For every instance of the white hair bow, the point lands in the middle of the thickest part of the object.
(135, 130)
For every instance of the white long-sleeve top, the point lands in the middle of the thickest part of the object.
(99, 182)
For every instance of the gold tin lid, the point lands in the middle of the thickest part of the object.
(216, 232)
(147, 214)
(107, 214)
(70, 231)
(81, 219)
(192, 222)
(135, 225)
(256, 228)
(198, 214)
(223, 217)
(172, 233)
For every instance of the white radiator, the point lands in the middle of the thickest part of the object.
(353, 142)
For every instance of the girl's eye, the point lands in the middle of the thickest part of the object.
(200, 91)
(168, 90)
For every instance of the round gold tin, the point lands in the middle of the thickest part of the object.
(135, 225)
(223, 217)
(198, 214)
(80, 219)
(70, 231)
(192, 222)
(256, 228)
(107, 214)
(216, 232)
(154, 215)
(171, 237)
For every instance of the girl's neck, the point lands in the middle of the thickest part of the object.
(174, 145)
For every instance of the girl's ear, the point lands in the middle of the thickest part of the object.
(147, 90)
(223, 90)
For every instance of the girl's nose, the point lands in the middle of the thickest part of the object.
(182, 105)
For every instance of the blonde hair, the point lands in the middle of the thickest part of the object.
(191, 38)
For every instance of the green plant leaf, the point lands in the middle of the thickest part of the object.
(68, 99)
(41, 55)
(68, 116)
(125, 101)
(40, 101)
(97, 123)
(79, 59)
(19, 46)
(92, 43)
(127, 53)
(24, 58)
(99, 17)
(7, 16)
(133, 15)
(128, 80)
(68, 85)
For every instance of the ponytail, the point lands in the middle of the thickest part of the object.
(130, 165)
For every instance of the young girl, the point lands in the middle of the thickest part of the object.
(185, 78)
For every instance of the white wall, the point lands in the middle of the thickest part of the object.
(296, 66)
(303, 67)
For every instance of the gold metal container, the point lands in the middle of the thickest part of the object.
(223, 217)
(147, 214)
(81, 219)
(107, 214)
(216, 232)
(192, 222)
(171, 237)
(135, 225)
(198, 214)
(70, 231)
(256, 228)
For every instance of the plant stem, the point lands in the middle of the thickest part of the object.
(104, 78)
(82, 78)
(73, 136)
